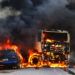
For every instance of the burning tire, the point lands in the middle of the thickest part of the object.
(35, 60)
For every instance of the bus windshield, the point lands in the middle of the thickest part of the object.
(56, 36)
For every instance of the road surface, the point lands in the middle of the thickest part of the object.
(45, 71)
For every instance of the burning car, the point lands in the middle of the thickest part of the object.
(9, 59)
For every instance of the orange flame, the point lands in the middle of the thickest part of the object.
(8, 45)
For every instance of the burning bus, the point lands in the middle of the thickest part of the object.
(55, 46)
(53, 49)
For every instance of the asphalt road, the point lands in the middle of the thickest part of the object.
(31, 71)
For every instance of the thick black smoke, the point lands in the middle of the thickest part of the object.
(21, 19)
(15, 4)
